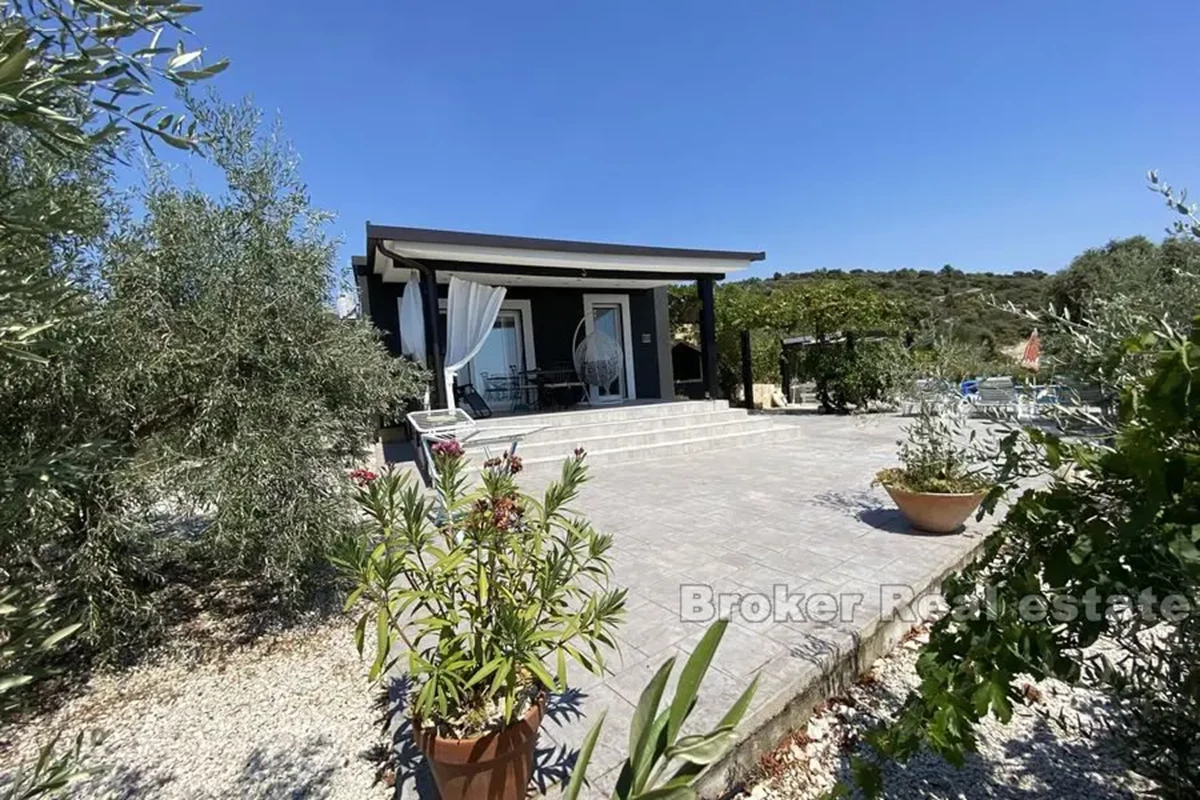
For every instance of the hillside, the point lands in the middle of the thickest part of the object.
(949, 294)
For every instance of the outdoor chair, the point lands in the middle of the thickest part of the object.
(929, 392)
(433, 426)
(465, 393)
(997, 395)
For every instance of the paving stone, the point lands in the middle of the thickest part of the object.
(577, 711)
(801, 513)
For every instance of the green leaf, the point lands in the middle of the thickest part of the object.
(579, 772)
(735, 713)
(59, 635)
(382, 643)
(993, 694)
(647, 709)
(539, 670)
(702, 748)
(13, 681)
(656, 746)
(13, 65)
(360, 633)
(1183, 548)
(693, 673)
(182, 59)
(667, 793)
(484, 671)
(867, 776)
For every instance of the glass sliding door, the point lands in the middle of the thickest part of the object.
(498, 370)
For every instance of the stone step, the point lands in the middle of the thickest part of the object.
(618, 439)
(596, 430)
(602, 414)
(542, 466)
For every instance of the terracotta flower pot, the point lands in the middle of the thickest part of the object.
(496, 766)
(934, 511)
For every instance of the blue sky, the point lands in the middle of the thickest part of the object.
(993, 136)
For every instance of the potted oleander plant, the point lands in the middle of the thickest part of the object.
(943, 475)
(482, 595)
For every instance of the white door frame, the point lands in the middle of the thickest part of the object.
(590, 301)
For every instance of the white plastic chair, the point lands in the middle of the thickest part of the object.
(997, 395)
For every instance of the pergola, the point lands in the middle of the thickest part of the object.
(394, 252)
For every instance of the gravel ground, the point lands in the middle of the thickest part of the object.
(1034, 756)
(290, 716)
(293, 716)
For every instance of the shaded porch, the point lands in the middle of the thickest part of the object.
(555, 291)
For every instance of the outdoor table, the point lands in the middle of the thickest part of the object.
(564, 389)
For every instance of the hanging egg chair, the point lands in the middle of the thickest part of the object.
(599, 362)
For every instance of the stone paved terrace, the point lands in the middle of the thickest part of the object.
(799, 514)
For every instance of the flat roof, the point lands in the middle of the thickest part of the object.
(464, 238)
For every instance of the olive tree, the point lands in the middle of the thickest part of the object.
(71, 85)
(244, 396)
(226, 396)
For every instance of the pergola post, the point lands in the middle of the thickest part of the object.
(708, 336)
(785, 373)
(433, 348)
(747, 371)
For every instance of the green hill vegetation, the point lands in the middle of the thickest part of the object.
(944, 310)
(946, 295)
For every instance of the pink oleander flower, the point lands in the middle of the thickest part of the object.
(580, 453)
(362, 477)
(451, 448)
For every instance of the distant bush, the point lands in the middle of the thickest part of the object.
(852, 376)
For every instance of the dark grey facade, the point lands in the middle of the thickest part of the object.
(556, 313)
(535, 270)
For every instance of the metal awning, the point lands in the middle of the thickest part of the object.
(520, 260)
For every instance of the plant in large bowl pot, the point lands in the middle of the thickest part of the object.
(943, 475)
(482, 595)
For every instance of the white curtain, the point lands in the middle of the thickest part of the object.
(412, 320)
(471, 310)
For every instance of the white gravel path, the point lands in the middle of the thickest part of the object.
(291, 716)
(1031, 757)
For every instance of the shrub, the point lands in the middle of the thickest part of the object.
(852, 375)
(1110, 523)
(482, 596)
(939, 453)
(222, 397)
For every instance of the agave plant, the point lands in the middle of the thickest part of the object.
(481, 595)
(662, 763)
